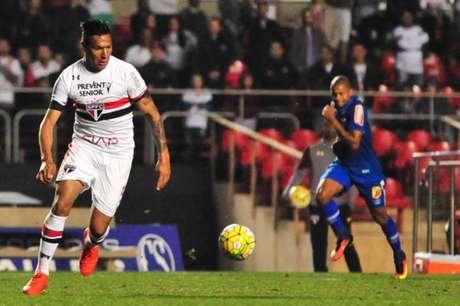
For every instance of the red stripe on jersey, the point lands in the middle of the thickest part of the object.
(107, 105)
(359, 115)
(140, 96)
(51, 233)
(116, 104)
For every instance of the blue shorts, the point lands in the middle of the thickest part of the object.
(371, 186)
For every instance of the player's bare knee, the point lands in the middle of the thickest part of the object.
(380, 215)
(62, 207)
(323, 196)
(97, 231)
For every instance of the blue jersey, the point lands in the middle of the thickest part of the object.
(362, 161)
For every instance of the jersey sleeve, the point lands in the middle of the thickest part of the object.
(59, 95)
(358, 118)
(135, 84)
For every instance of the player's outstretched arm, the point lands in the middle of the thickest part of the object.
(47, 169)
(163, 166)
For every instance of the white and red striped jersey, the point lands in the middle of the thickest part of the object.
(103, 103)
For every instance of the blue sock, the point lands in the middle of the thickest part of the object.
(391, 232)
(332, 214)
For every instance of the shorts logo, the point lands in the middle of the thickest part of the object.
(376, 192)
(95, 110)
(69, 168)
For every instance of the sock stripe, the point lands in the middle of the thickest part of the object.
(49, 233)
(394, 237)
(332, 218)
(52, 240)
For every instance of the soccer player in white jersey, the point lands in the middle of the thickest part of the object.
(103, 89)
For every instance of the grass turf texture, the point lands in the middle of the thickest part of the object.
(233, 288)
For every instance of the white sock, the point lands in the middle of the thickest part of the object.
(52, 231)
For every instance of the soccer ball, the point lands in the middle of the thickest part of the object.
(237, 241)
(300, 196)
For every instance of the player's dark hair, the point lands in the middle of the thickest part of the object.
(93, 27)
(340, 79)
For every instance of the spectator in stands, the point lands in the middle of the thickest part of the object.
(314, 162)
(195, 20)
(363, 9)
(233, 76)
(11, 75)
(319, 77)
(65, 29)
(218, 50)
(395, 9)
(258, 38)
(409, 39)
(439, 28)
(231, 12)
(23, 100)
(157, 72)
(337, 25)
(306, 43)
(364, 72)
(196, 101)
(25, 60)
(324, 70)
(43, 67)
(373, 30)
(252, 103)
(441, 106)
(42, 73)
(32, 26)
(164, 10)
(278, 73)
(138, 19)
(215, 78)
(179, 45)
(139, 54)
(101, 9)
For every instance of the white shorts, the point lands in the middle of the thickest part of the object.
(105, 174)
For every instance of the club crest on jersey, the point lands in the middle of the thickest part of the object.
(95, 110)
(376, 192)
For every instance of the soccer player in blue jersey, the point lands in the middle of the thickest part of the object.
(356, 164)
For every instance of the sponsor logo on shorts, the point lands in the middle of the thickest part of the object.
(376, 192)
(106, 142)
(69, 168)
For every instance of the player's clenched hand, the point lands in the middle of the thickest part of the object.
(46, 172)
(329, 112)
(163, 169)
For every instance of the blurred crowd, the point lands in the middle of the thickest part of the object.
(380, 45)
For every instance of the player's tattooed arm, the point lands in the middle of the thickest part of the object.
(163, 167)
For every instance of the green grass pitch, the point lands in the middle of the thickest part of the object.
(233, 288)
